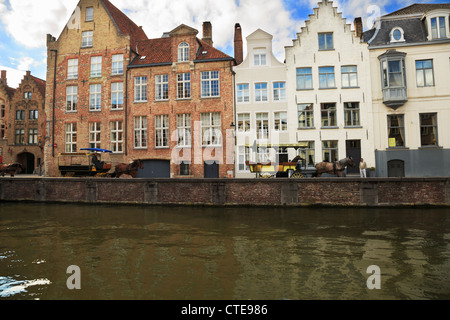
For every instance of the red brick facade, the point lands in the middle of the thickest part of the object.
(128, 126)
(23, 122)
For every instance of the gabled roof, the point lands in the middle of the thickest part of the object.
(419, 8)
(124, 24)
(8, 90)
(40, 85)
(414, 31)
(159, 51)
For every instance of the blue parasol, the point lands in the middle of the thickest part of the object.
(97, 150)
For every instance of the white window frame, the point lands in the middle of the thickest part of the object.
(210, 84)
(244, 124)
(140, 132)
(94, 134)
(71, 137)
(260, 57)
(72, 69)
(95, 97)
(279, 90)
(349, 78)
(324, 72)
(261, 92)
(162, 131)
(243, 92)
(117, 96)
(140, 89)
(184, 130)
(89, 14)
(326, 44)
(183, 52)
(437, 33)
(352, 115)
(32, 136)
(162, 87)
(71, 98)
(262, 125)
(96, 66)
(280, 121)
(87, 39)
(421, 73)
(117, 64)
(184, 83)
(117, 136)
(211, 124)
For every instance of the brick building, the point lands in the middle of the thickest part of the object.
(23, 122)
(110, 87)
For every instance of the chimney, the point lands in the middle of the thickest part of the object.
(3, 78)
(207, 33)
(358, 27)
(238, 49)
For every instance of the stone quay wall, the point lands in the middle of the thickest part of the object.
(232, 192)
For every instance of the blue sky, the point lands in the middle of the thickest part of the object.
(24, 24)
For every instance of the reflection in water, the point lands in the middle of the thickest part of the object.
(134, 252)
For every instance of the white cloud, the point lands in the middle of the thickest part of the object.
(14, 76)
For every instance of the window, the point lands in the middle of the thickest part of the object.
(263, 155)
(20, 137)
(2, 132)
(162, 87)
(259, 57)
(279, 91)
(261, 92)
(428, 129)
(184, 85)
(140, 132)
(89, 13)
(280, 121)
(326, 77)
(140, 89)
(184, 130)
(393, 73)
(95, 97)
(2, 109)
(397, 35)
(328, 111)
(71, 98)
(117, 64)
(396, 131)
(27, 95)
(183, 52)
(326, 41)
(116, 95)
(87, 39)
(32, 136)
(243, 157)
(162, 131)
(210, 84)
(307, 153)
(71, 137)
(72, 69)
(20, 115)
(306, 116)
(349, 76)
(33, 114)
(243, 92)
(96, 66)
(424, 73)
(94, 135)
(438, 28)
(330, 151)
(243, 122)
(351, 114)
(117, 136)
(304, 78)
(262, 126)
(184, 168)
(211, 129)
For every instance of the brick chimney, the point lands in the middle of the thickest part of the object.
(238, 48)
(358, 27)
(3, 78)
(207, 33)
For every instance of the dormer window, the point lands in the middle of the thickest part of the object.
(259, 57)
(397, 35)
(438, 28)
(183, 52)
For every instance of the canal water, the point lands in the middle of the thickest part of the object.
(186, 253)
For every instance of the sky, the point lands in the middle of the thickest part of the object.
(24, 24)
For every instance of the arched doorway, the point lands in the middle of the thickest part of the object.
(26, 159)
(396, 168)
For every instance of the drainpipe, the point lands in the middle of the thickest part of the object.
(54, 103)
(126, 106)
(235, 117)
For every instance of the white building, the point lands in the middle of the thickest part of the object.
(261, 104)
(329, 90)
(410, 59)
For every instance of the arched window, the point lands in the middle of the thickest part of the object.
(397, 35)
(183, 52)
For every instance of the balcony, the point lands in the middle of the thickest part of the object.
(395, 97)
